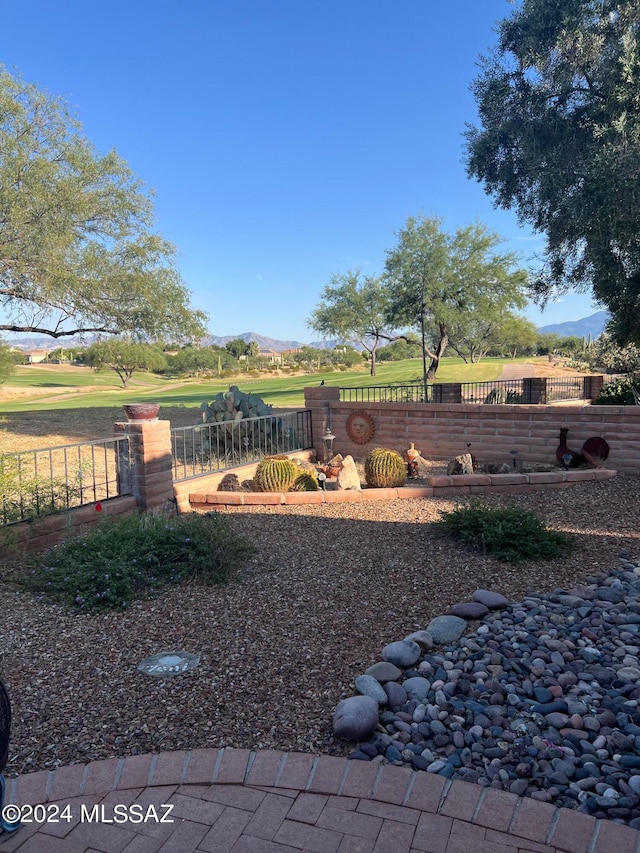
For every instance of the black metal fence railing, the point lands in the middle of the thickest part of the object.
(507, 391)
(34, 483)
(207, 448)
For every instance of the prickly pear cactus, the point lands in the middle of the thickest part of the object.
(233, 405)
(384, 468)
(275, 474)
(305, 482)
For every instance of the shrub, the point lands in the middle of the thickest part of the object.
(617, 393)
(509, 533)
(128, 558)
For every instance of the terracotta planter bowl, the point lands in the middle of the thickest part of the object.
(142, 411)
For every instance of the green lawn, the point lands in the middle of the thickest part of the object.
(279, 391)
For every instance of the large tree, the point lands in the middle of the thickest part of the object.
(78, 252)
(354, 308)
(437, 280)
(559, 142)
(124, 357)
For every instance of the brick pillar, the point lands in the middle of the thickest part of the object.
(535, 391)
(592, 386)
(320, 400)
(150, 476)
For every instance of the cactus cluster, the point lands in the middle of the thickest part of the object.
(384, 468)
(233, 405)
(275, 474)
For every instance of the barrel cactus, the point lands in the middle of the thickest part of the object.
(384, 468)
(275, 474)
(305, 482)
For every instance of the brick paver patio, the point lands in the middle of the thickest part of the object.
(240, 801)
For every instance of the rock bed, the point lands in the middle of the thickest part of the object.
(540, 700)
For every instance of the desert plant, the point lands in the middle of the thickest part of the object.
(127, 558)
(305, 482)
(618, 393)
(384, 468)
(275, 474)
(509, 533)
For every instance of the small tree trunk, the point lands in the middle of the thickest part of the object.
(438, 352)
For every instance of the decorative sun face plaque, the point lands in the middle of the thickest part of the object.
(360, 427)
(169, 663)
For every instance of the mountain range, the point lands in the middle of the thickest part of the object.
(592, 325)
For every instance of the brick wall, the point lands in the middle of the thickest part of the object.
(443, 430)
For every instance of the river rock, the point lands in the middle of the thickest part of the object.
(469, 610)
(446, 629)
(401, 653)
(492, 600)
(367, 685)
(356, 718)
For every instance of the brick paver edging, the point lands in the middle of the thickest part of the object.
(438, 813)
(459, 485)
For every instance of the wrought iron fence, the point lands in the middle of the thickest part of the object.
(34, 483)
(507, 391)
(206, 448)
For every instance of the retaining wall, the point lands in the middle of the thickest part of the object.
(444, 430)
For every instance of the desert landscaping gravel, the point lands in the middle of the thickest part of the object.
(281, 644)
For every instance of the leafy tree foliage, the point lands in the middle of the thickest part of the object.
(237, 347)
(605, 354)
(77, 248)
(354, 308)
(7, 363)
(437, 280)
(200, 360)
(125, 357)
(408, 346)
(515, 335)
(559, 142)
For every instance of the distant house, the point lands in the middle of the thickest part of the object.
(271, 355)
(35, 356)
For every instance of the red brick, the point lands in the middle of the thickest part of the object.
(351, 844)
(615, 837)
(394, 838)
(135, 771)
(236, 796)
(185, 838)
(508, 840)
(366, 826)
(296, 770)
(67, 782)
(461, 800)
(307, 807)
(312, 838)
(414, 492)
(196, 809)
(169, 768)
(426, 792)
(328, 775)
(385, 494)
(230, 498)
(263, 498)
(101, 776)
(393, 784)
(295, 498)
(360, 779)
(387, 811)
(225, 831)
(201, 765)
(268, 817)
(265, 768)
(432, 833)
(345, 496)
(233, 766)
(533, 820)
(496, 809)
(573, 831)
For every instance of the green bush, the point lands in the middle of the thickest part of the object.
(509, 533)
(128, 558)
(617, 393)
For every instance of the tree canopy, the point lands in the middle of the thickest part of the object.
(78, 252)
(124, 357)
(559, 142)
(354, 308)
(439, 281)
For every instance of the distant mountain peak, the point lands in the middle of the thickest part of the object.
(592, 325)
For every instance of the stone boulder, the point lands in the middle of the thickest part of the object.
(462, 464)
(348, 477)
(356, 718)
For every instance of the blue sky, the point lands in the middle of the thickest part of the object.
(284, 140)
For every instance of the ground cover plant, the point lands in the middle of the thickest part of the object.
(509, 533)
(129, 558)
